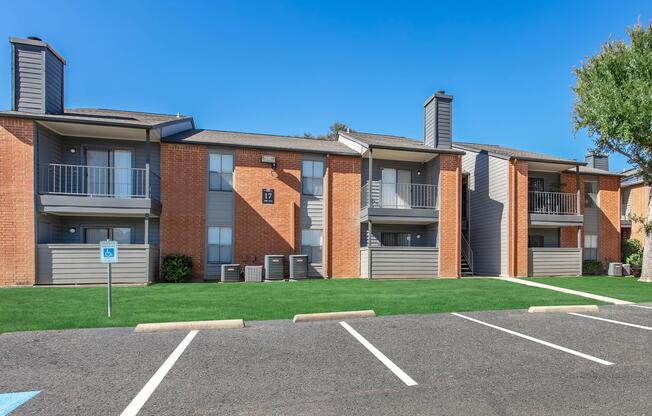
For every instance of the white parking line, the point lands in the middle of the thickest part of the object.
(383, 359)
(141, 398)
(539, 341)
(612, 321)
(640, 306)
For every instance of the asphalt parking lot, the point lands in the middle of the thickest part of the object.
(495, 363)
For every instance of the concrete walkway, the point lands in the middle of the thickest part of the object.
(564, 290)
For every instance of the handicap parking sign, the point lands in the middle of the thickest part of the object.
(108, 251)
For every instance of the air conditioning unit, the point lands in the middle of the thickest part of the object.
(253, 273)
(298, 266)
(274, 267)
(230, 273)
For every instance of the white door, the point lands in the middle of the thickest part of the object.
(122, 179)
(97, 172)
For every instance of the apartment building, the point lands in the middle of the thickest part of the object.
(635, 198)
(359, 205)
(534, 214)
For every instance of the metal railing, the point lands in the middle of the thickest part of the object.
(467, 252)
(97, 181)
(552, 203)
(399, 195)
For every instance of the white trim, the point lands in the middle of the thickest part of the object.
(538, 341)
(383, 359)
(141, 398)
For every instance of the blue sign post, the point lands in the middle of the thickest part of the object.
(109, 255)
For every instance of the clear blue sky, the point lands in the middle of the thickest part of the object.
(289, 67)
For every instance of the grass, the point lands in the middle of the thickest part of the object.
(623, 288)
(23, 309)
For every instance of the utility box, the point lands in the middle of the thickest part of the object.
(615, 269)
(230, 272)
(274, 267)
(253, 273)
(298, 266)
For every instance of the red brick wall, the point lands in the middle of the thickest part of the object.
(568, 235)
(342, 232)
(261, 229)
(518, 219)
(609, 198)
(183, 199)
(450, 202)
(17, 245)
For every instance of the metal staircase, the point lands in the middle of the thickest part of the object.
(466, 258)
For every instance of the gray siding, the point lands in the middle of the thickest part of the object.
(554, 262)
(80, 264)
(29, 79)
(550, 235)
(38, 80)
(53, 84)
(550, 180)
(592, 218)
(402, 262)
(413, 167)
(427, 232)
(55, 229)
(488, 194)
(364, 263)
(438, 115)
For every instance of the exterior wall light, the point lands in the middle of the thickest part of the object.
(72, 230)
(73, 150)
(269, 159)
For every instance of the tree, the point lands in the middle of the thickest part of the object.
(332, 131)
(613, 102)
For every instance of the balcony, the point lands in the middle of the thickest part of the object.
(82, 189)
(396, 202)
(553, 209)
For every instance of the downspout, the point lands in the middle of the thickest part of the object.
(369, 229)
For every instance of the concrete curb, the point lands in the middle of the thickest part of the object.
(332, 316)
(568, 308)
(189, 326)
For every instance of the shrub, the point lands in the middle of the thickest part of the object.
(176, 268)
(629, 247)
(634, 259)
(592, 267)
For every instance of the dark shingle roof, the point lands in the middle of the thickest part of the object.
(514, 153)
(586, 170)
(631, 178)
(263, 141)
(103, 116)
(394, 142)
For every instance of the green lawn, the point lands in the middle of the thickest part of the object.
(58, 308)
(623, 288)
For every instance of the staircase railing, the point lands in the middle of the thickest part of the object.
(467, 252)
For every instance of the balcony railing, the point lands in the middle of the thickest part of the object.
(97, 181)
(552, 203)
(399, 195)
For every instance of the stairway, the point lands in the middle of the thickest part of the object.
(466, 269)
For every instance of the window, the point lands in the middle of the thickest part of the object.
(395, 239)
(591, 194)
(535, 241)
(535, 184)
(220, 169)
(219, 244)
(311, 245)
(590, 247)
(93, 235)
(312, 177)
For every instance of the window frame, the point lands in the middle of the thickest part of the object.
(312, 250)
(311, 184)
(221, 174)
(109, 228)
(219, 245)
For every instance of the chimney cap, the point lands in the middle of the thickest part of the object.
(438, 94)
(35, 41)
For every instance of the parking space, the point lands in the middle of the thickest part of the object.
(507, 362)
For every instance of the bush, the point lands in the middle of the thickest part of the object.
(634, 259)
(592, 268)
(176, 268)
(630, 247)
